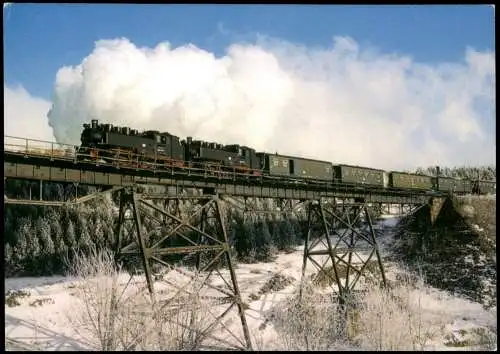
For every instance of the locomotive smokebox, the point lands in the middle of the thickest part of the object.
(94, 123)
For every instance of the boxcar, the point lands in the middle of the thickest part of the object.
(312, 169)
(454, 185)
(274, 165)
(359, 175)
(486, 187)
(463, 186)
(410, 181)
(279, 165)
(447, 184)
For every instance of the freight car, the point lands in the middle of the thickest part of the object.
(402, 180)
(445, 184)
(484, 187)
(464, 186)
(295, 167)
(359, 175)
(453, 185)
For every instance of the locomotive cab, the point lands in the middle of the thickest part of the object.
(248, 156)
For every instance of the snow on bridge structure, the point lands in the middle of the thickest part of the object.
(338, 219)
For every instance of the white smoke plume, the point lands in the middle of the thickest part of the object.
(344, 104)
(26, 116)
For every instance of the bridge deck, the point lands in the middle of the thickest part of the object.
(32, 170)
(37, 160)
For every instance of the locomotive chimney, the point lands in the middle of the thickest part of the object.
(94, 123)
(189, 140)
(437, 171)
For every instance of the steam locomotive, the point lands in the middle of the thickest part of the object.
(125, 147)
(109, 143)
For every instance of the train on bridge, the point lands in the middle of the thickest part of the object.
(125, 147)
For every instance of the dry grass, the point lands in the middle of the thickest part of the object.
(378, 319)
(392, 319)
(481, 338)
(276, 283)
(307, 323)
(116, 316)
(480, 211)
(13, 297)
(41, 302)
(326, 276)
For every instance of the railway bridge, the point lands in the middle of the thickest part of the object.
(339, 222)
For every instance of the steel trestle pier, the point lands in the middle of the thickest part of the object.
(204, 229)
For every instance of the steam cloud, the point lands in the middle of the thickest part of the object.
(343, 104)
(25, 115)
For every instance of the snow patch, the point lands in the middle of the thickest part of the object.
(47, 327)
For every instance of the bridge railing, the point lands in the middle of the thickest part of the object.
(115, 158)
(39, 148)
(127, 160)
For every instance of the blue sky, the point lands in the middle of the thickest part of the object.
(40, 39)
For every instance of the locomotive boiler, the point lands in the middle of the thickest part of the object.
(225, 157)
(105, 141)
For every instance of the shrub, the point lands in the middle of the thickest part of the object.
(116, 316)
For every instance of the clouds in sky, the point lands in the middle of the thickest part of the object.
(25, 115)
(344, 103)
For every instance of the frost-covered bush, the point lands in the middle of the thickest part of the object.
(113, 312)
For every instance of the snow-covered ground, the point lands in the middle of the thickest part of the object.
(42, 320)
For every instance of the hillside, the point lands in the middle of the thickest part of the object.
(479, 212)
(458, 252)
